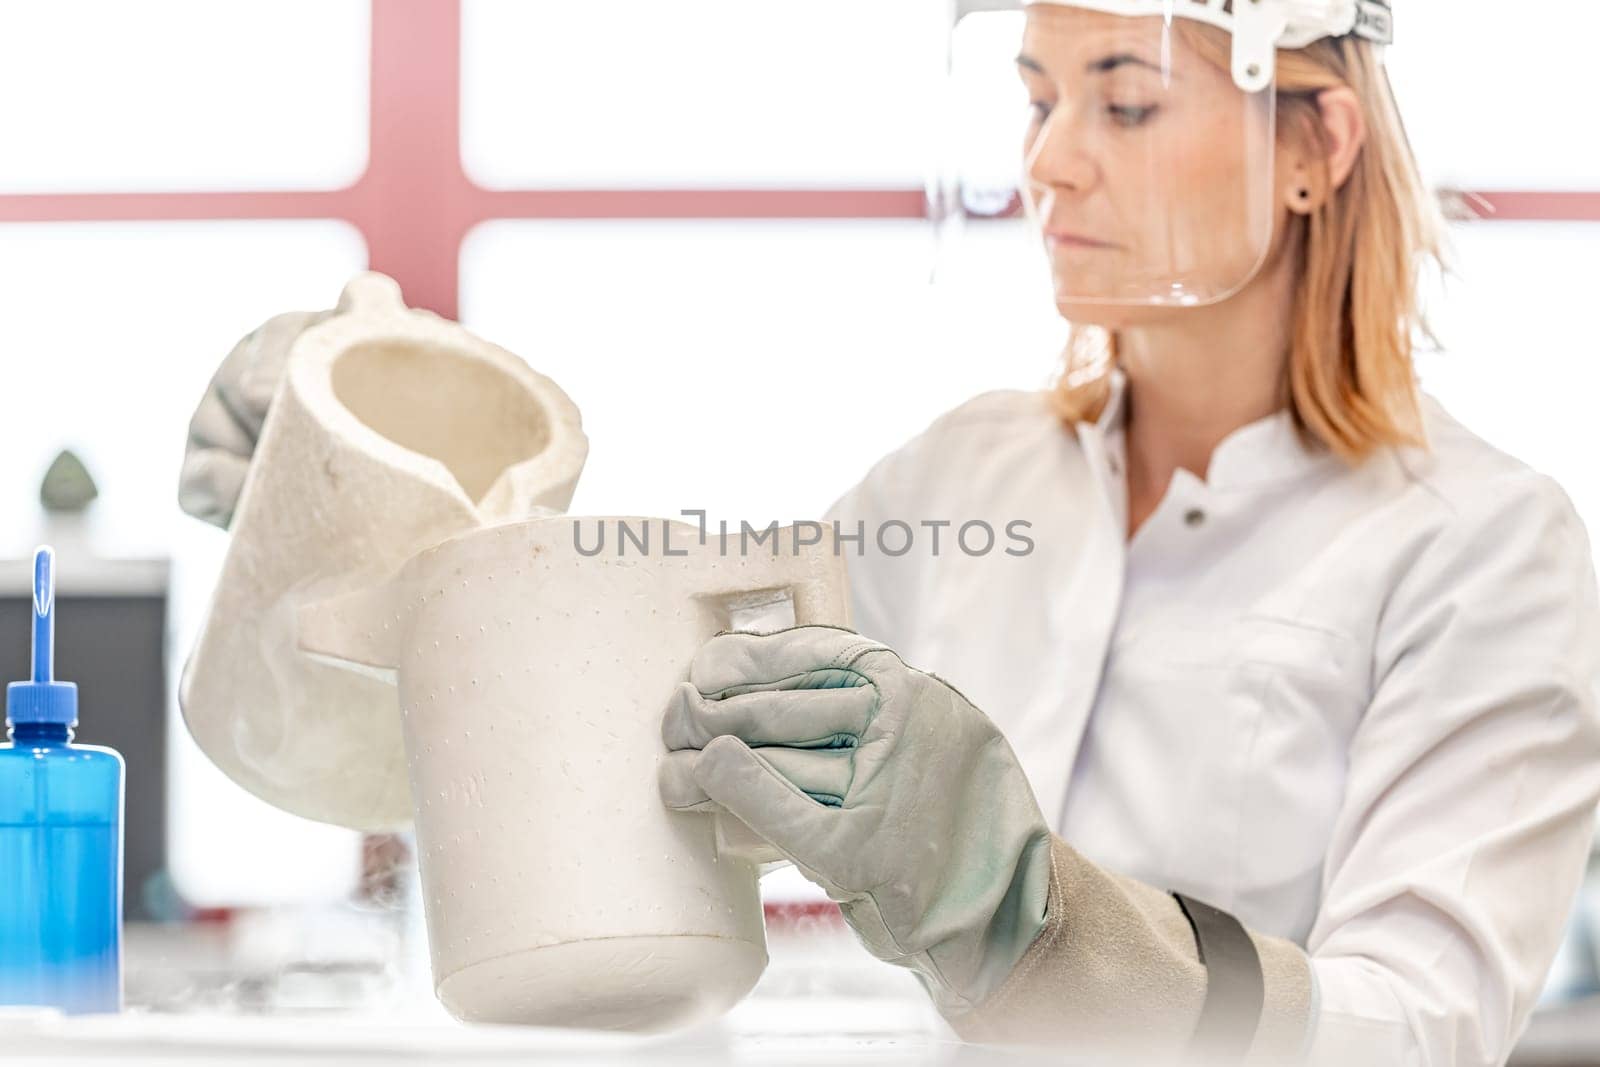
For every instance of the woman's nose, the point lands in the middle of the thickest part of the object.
(1057, 155)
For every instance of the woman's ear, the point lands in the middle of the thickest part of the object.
(1343, 130)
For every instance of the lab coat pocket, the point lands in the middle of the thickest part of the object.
(1261, 707)
(1296, 692)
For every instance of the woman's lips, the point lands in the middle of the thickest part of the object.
(1066, 239)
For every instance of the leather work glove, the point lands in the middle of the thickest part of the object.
(890, 790)
(227, 424)
(882, 784)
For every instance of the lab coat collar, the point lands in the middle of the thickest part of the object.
(1258, 455)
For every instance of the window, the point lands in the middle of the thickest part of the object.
(676, 211)
(710, 94)
(182, 95)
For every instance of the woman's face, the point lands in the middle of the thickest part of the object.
(1148, 170)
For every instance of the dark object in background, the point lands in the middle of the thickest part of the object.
(68, 486)
(111, 637)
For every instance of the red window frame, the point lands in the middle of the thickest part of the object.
(416, 109)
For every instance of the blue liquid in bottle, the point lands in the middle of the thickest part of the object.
(60, 840)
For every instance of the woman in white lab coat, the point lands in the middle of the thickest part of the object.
(1291, 643)
(1227, 698)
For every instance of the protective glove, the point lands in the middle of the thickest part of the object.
(227, 424)
(882, 784)
(890, 790)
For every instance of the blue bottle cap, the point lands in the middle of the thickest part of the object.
(43, 699)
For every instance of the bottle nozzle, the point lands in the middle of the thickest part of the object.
(43, 699)
(44, 615)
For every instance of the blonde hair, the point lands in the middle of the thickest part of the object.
(1351, 381)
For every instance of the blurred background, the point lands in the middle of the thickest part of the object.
(674, 210)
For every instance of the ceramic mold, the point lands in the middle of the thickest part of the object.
(532, 678)
(392, 430)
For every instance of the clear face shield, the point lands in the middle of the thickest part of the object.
(1146, 131)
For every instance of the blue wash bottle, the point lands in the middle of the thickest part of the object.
(60, 839)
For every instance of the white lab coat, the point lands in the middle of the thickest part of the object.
(1357, 708)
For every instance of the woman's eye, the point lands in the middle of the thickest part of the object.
(1129, 116)
(1040, 110)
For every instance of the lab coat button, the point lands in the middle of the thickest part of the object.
(1194, 517)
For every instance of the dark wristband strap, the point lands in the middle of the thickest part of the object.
(1235, 988)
